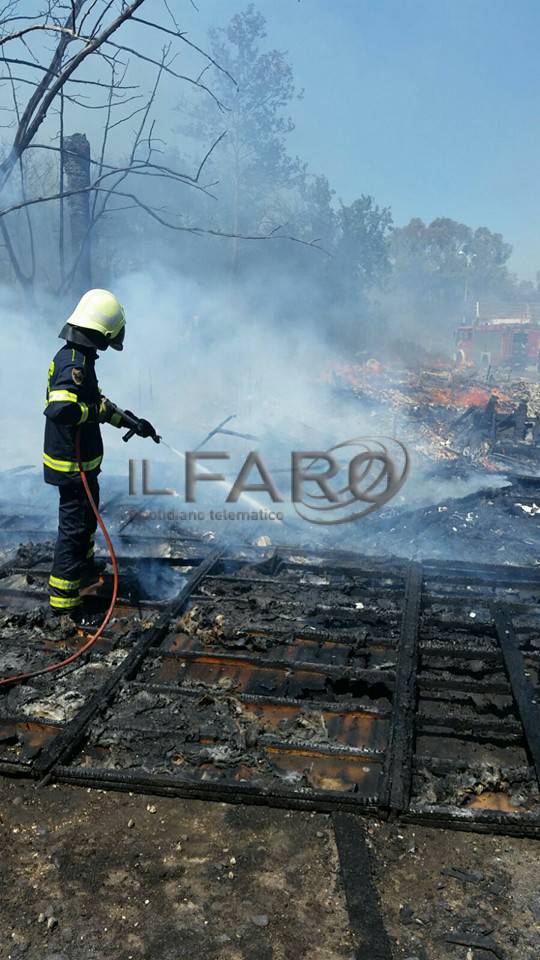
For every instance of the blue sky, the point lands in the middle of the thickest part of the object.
(432, 107)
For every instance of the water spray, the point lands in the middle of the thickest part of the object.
(253, 504)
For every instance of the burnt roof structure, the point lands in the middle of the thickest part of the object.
(297, 678)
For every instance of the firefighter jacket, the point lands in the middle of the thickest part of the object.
(72, 401)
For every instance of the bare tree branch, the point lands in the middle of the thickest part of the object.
(105, 131)
(61, 210)
(86, 83)
(84, 29)
(140, 167)
(155, 214)
(25, 280)
(47, 27)
(39, 103)
(169, 70)
(183, 37)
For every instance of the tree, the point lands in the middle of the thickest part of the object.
(441, 269)
(251, 164)
(362, 249)
(359, 268)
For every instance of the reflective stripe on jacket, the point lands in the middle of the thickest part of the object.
(71, 389)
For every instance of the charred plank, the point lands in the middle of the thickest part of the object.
(401, 740)
(523, 690)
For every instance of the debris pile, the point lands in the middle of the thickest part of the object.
(448, 414)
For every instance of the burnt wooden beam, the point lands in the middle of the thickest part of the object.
(523, 690)
(397, 790)
(71, 735)
(365, 918)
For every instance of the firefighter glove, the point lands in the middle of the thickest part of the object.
(143, 428)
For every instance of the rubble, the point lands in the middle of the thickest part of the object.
(448, 414)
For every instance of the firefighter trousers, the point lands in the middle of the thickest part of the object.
(75, 542)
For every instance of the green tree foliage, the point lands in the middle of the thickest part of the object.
(444, 267)
(362, 246)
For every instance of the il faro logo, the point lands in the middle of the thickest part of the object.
(339, 485)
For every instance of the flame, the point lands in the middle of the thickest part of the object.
(468, 396)
(405, 387)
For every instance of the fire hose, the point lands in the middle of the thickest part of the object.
(20, 677)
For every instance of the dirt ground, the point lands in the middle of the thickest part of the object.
(89, 874)
(438, 883)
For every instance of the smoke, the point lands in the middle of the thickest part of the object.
(28, 345)
(194, 356)
(190, 360)
(233, 329)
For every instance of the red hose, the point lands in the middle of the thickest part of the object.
(18, 678)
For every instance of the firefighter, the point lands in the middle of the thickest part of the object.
(74, 403)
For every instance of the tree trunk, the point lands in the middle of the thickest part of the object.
(76, 160)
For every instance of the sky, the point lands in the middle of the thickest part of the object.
(431, 106)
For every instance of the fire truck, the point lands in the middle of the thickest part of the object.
(501, 341)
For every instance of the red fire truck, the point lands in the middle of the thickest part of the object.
(512, 342)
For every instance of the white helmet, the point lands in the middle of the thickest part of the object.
(100, 313)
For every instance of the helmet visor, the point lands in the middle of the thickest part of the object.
(117, 343)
